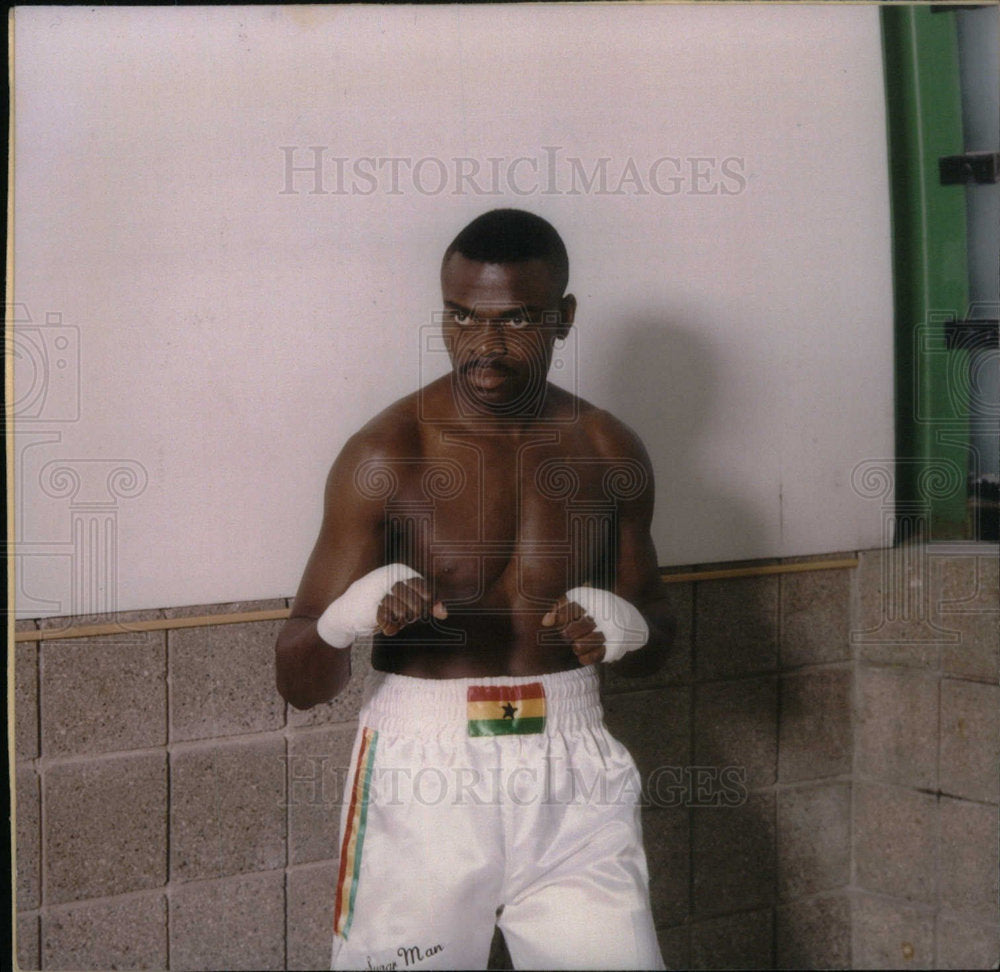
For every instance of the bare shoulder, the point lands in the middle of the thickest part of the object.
(609, 436)
(629, 472)
(394, 433)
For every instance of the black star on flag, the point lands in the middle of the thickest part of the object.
(509, 710)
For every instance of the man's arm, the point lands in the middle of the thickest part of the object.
(637, 576)
(350, 546)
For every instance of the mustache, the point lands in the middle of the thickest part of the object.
(495, 362)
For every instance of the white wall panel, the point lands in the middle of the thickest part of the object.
(230, 335)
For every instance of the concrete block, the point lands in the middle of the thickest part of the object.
(124, 933)
(965, 945)
(234, 923)
(310, 895)
(677, 665)
(895, 841)
(27, 941)
(968, 601)
(814, 729)
(675, 946)
(26, 700)
(736, 627)
(815, 612)
(924, 609)
(743, 941)
(736, 724)
(889, 934)
(924, 657)
(345, 707)
(814, 933)
(895, 622)
(897, 738)
(319, 763)
(655, 726)
(28, 846)
(228, 809)
(969, 863)
(105, 826)
(104, 694)
(222, 680)
(970, 740)
(733, 856)
(977, 654)
(814, 842)
(666, 835)
(966, 583)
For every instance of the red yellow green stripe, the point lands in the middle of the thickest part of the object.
(502, 710)
(354, 835)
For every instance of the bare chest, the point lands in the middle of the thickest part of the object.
(501, 526)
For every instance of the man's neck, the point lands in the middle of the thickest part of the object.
(466, 414)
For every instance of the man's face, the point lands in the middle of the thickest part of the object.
(500, 322)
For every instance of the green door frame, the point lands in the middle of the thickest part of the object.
(930, 274)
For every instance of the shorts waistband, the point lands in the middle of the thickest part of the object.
(402, 704)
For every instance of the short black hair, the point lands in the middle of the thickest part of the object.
(512, 236)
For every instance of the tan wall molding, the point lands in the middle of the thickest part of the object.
(247, 617)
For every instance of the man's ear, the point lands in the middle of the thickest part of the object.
(567, 311)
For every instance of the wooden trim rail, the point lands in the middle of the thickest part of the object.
(155, 624)
(279, 614)
(758, 570)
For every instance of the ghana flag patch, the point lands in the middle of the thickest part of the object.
(503, 710)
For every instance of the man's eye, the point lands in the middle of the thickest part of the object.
(459, 317)
(517, 320)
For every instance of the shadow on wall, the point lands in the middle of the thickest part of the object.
(665, 386)
(704, 732)
(667, 381)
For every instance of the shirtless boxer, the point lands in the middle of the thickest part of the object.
(491, 532)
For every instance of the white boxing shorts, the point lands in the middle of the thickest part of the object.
(491, 801)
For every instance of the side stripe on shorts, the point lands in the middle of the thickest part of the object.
(354, 836)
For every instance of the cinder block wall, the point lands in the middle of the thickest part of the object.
(821, 755)
(927, 752)
(760, 683)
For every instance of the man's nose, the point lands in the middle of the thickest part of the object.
(492, 332)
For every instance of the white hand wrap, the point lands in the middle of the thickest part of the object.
(623, 627)
(355, 612)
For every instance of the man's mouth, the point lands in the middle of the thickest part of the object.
(488, 373)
